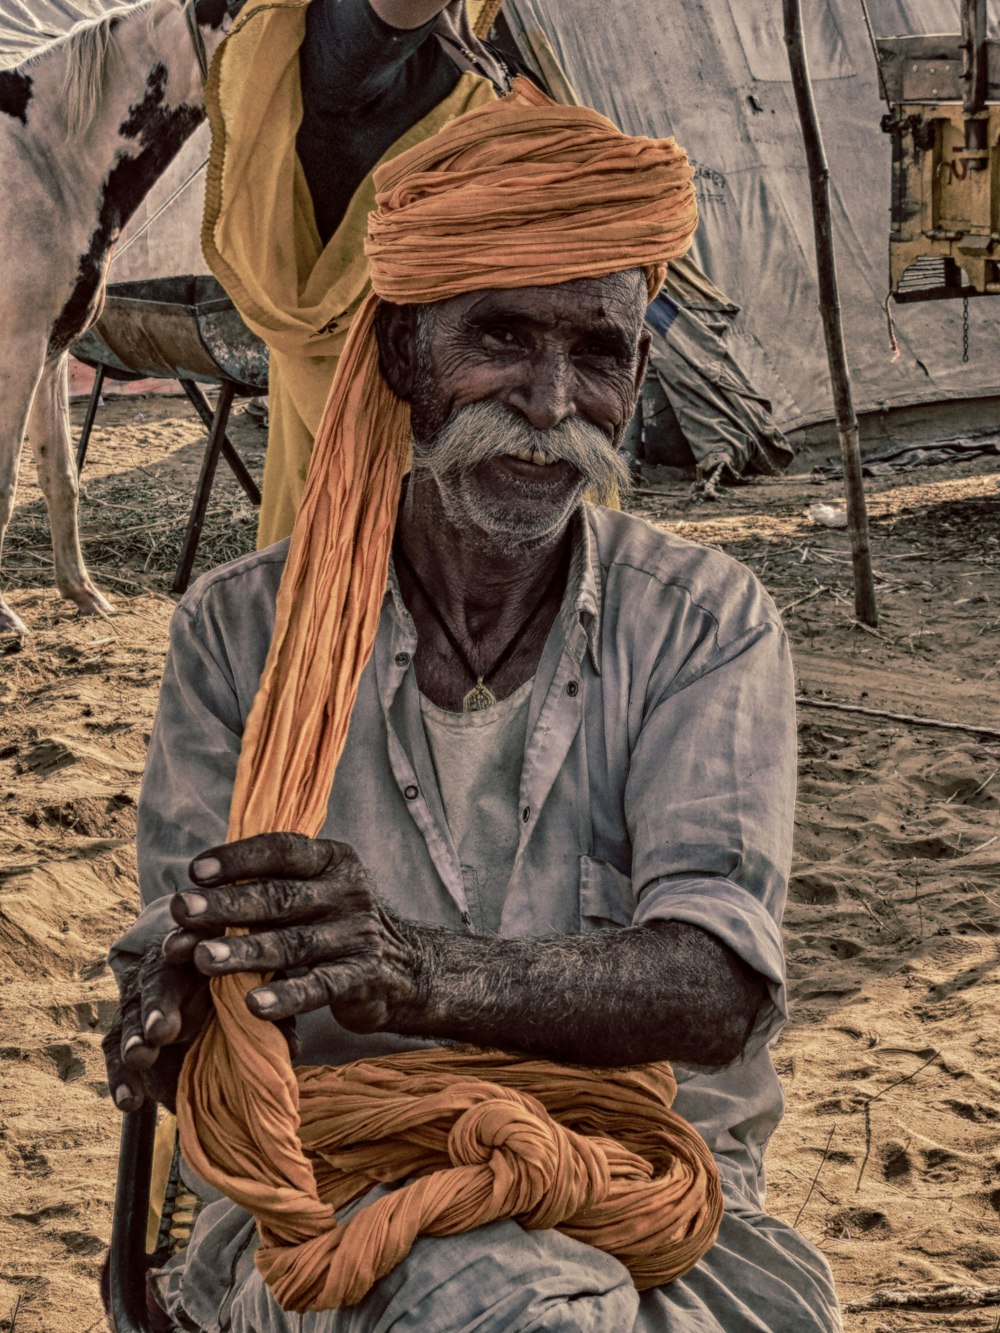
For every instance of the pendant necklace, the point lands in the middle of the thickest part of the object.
(480, 696)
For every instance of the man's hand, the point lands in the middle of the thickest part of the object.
(308, 904)
(163, 1005)
(663, 991)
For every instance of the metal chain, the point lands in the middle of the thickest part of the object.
(965, 330)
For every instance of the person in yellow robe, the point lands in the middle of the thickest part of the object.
(304, 101)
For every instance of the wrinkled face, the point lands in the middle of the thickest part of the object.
(520, 399)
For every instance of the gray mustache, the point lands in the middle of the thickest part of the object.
(487, 430)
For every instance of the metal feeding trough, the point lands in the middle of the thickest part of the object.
(186, 329)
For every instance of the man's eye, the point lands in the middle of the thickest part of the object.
(500, 335)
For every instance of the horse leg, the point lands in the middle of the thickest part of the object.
(48, 431)
(18, 379)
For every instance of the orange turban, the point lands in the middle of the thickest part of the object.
(521, 192)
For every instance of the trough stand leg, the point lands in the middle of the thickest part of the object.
(238, 467)
(88, 420)
(209, 463)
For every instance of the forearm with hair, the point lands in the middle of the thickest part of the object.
(663, 991)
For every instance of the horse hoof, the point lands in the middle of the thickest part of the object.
(12, 632)
(91, 603)
(12, 629)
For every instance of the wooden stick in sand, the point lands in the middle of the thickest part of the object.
(829, 307)
(929, 1298)
(804, 701)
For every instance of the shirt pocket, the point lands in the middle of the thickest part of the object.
(607, 898)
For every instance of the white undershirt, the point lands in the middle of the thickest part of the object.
(478, 758)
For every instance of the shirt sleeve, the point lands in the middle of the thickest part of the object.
(187, 782)
(710, 802)
(191, 762)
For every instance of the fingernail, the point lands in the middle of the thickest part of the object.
(135, 1040)
(123, 1094)
(195, 904)
(206, 867)
(265, 999)
(218, 950)
(152, 1018)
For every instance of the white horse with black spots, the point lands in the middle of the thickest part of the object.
(87, 125)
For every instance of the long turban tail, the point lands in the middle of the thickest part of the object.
(519, 193)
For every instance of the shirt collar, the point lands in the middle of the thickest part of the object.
(581, 604)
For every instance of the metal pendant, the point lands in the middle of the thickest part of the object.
(478, 698)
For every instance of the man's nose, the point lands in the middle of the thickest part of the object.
(544, 395)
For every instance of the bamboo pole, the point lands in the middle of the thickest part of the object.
(829, 304)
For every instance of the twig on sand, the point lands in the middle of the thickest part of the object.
(984, 784)
(13, 1317)
(868, 1111)
(859, 624)
(806, 701)
(868, 1143)
(790, 606)
(826, 1152)
(905, 1079)
(932, 1298)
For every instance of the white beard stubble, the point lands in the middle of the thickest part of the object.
(482, 431)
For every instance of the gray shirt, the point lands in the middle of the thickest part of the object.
(657, 782)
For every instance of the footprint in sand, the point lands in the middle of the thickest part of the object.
(850, 1223)
(69, 1066)
(896, 1161)
(45, 757)
(82, 1242)
(977, 1112)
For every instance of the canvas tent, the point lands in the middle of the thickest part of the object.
(709, 403)
(732, 371)
(715, 74)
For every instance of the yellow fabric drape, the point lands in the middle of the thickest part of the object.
(259, 234)
(517, 193)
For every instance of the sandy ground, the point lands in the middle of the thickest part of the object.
(889, 1157)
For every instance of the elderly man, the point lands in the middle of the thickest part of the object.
(562, 813)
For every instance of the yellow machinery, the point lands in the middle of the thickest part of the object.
(944, 98)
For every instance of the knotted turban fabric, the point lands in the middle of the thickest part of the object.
(520, 192)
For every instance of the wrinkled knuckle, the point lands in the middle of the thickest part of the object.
(289, 847)
(301, 993)
(111, 1043)
(247, 950)
(305, 947)
(340, 856)
(281, 897)
(356, 897)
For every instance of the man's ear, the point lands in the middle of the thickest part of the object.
(642, 363)
(396, 333)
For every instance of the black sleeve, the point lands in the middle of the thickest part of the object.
(364, 84)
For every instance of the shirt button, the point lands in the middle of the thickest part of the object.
(526, 814)
(411, 793)
(402, 659)
(573, 688)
